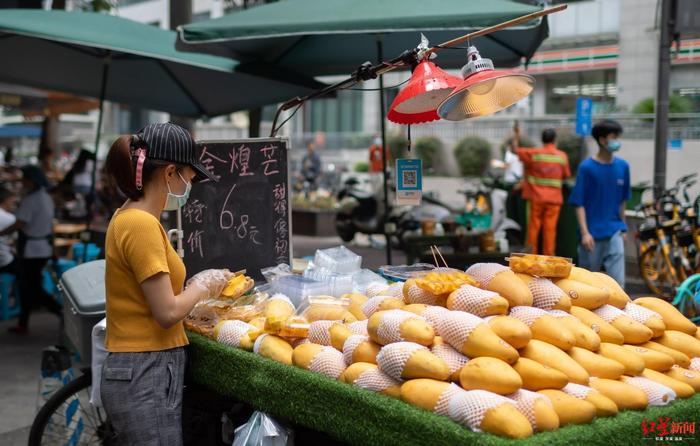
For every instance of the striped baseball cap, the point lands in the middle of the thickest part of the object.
(166, 141)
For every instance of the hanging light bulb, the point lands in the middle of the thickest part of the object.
(418, 101)
(484, 90)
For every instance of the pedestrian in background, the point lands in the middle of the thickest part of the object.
(34, 225)
(8, 200)
(546, 168)
(602, 188)
(311, 165)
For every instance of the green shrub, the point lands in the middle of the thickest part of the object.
(574, 146)
(427, 149)
(676, 104)
(398, 144)
(362, 166)
(473, 155)
(523, 142)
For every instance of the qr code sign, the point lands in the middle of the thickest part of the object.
(409, 178)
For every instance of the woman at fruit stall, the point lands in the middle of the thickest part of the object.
(142, 376)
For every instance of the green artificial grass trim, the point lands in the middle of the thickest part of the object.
(357, 416)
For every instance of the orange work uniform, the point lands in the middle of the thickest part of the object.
(375, 158)
(545, 170)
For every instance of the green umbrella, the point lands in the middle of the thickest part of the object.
(321, 37)
(326, 37)
(107, 57)
(76, 52)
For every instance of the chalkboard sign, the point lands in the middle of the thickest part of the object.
(243, 220)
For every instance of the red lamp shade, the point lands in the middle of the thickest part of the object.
(417, 102)
(484, 90)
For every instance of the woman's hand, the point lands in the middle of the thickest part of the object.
(211, 281)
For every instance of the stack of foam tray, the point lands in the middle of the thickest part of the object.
(357, 416)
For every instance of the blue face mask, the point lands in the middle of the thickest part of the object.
(175, 202)
(614, 145)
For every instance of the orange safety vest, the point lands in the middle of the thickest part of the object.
(545, 169)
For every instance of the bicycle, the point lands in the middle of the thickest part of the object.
(669, 239)
(68, 417)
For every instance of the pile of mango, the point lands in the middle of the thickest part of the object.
(494, 350)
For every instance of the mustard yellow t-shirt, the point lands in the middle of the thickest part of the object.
(136, 249)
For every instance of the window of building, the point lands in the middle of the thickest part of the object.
(692, 94)
(340, 114)
(563, 90)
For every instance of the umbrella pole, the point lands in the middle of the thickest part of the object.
(91, 196)
(382, 121)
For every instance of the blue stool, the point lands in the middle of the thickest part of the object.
(79, 251)
(60, 266)
(8, 311)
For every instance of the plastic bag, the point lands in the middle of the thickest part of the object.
(262, 430)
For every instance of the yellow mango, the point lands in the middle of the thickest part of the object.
(680, 341)
(490, 374)
(273, 347)
(583, 295)
(536, 376)
(689, 377)
(569, 409)
(597, 365)
(551, 356)
(625, 396)
(418, 362)
(604, 330)
(673, 319)
(618, 296)
(654, 360)
(679, 358)
(412, 328)
(682, 389)
(511, 330)
(633, 363)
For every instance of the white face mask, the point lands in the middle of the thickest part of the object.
(377, 141)
(175, 202)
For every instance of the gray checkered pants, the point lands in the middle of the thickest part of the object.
(142, 395)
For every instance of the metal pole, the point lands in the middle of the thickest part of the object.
(382, 120)
(91, 197)
(661, 106)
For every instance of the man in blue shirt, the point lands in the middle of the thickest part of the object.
(602, 187)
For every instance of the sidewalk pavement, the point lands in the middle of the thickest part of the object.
(19, 368)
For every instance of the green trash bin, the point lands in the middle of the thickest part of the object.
(636, 194)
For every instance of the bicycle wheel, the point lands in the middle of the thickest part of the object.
(69, 418)
(655, 274)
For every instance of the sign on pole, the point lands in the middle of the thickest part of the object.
(584, 112)
(409, 182)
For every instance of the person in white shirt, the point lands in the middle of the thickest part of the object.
(7, 219)
(514, 167)
(34, 245)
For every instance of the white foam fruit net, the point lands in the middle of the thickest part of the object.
(442, 407)
(657, 394)
(258, 343)
(375, 380)
(393, 357)
(639, 313)
(328, 362)
(375, 289)
(577, 390)
(559, 314)
(372, 304)
(528, 315)
(300, 341)
(359, 327)
(485, 272)
(472, 300)
(469, 407)
(350, 345)
(454, 359)
(694, 365)
(433, 315)
(417, 295)
(389, 329)
(282, 297)
(545, 294)
(230, 332)
(608, 313)
(525, 402)
(456, 327)
(319, 332)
